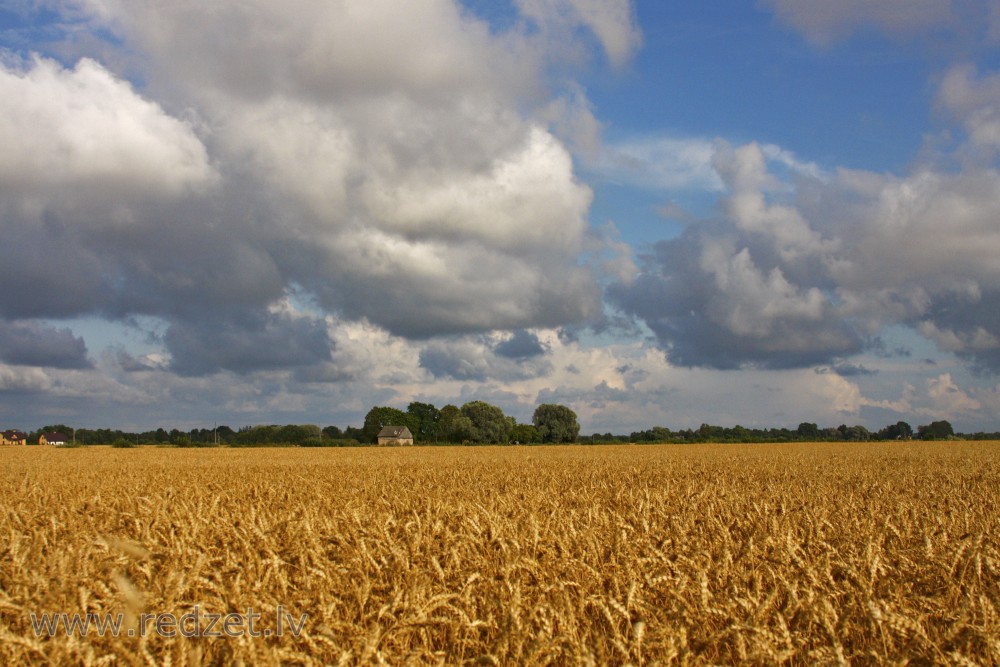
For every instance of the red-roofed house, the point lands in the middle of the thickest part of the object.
(57, 439)
(13, 437)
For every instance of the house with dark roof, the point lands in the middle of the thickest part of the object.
(395, 435)
(13, 437)
(52, 438)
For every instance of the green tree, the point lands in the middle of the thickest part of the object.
(556, 423)
(425, 418)
(938, 430)
(525, 434)
(296, 433)
(898, 431)
(857, 434)
(489, 423)
(453, 426)
(807, 431)
(380, 417)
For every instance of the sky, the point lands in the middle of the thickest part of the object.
(657, 213)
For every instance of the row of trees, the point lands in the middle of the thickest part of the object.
(806, 432)
(480, 422)
(476, 421)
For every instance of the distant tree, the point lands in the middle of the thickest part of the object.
(857, 434)
(380, 417)
(224, 433)
(898, 431)
(807, 431)
(453, 426)
(260, 435)
(354, 433)
(938, 430)
(710, 433)
(556, 423)
(489, 423)
(424, 418)
(525, 434)
(333, 433)
(296, 434)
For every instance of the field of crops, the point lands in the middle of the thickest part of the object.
(798, 554)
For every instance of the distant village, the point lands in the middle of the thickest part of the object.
(15, 437)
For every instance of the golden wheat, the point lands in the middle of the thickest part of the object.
(795, 554)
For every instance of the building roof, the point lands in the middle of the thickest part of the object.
(395, 432)
(14, 434)
(55, 437)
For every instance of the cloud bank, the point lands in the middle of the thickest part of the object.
(392, 163)
(364, 202)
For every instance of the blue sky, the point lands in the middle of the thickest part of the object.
(656, 213)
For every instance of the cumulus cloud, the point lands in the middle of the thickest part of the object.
(521, 345)
(22, 380)
(662, 163)
(85, 128)
(35, 344)
(611, 21)
(938, 397)
(246, 342)
(974, 101)
(396, 162)
(482, 358)
(807, 275)
(824, 22)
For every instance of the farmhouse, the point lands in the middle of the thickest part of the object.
(51, 438)
(13, 437)
(395, 435)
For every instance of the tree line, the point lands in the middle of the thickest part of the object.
(806, 432)
(478, 422)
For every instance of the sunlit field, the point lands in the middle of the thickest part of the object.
(799, 554)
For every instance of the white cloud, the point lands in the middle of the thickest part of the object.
(663, 163)
(85, 128)
(391, 159)
(947, 399)
(975, 102)
(801, 271)
(23, 379)
(750, 303)
(611, 21)
(696, 163)
(824, 22)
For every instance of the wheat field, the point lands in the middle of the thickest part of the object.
(715, 554)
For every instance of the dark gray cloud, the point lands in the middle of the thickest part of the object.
(419, 193)
(247, 342)
(967, 324)
(522, 345)
(35, 344)
(794, 277)
(753, 316)
(479, 358)
(443, 362)
(847, 370)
